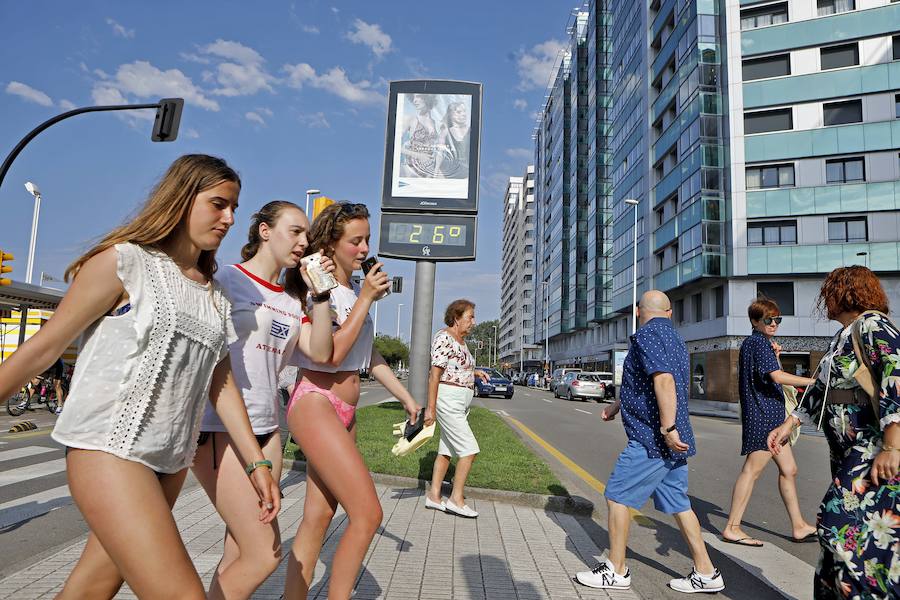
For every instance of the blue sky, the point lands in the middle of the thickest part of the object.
(292, 94)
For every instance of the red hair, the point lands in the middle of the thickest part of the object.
(761, 308)
(851, 289)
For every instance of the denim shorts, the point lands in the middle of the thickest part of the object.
(636, 477)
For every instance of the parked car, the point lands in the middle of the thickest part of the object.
(497, 386)
(583, 385)
(556, 379)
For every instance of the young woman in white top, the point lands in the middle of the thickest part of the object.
(268, 322)
(322, 409)
(156, 332)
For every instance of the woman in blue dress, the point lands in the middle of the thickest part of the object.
(762, 409)
(859, 518)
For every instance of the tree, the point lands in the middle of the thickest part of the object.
(484, 333)
(392, 349)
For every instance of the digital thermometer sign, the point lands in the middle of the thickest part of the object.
(428, 237)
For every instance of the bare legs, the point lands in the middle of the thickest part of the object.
(133, 533)
(252, 549)
(743, 489)
(336, 474)
(439, 471)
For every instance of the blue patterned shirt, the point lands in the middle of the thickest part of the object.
(655, 348)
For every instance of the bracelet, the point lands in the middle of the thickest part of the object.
(257, 464)
(889, 448)
(323, 297)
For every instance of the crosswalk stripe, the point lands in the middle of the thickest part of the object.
(32, 471)
(34, 505)
(23, 452)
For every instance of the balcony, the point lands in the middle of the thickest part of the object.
(823, 258)
(828, 199)
(707, 264)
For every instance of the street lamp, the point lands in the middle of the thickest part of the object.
(399, 306)
(308, 194)
(545, 286)
(865, 257)
(494, 358)
(34, 191)
(634, 204)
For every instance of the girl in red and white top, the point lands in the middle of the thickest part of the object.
(269, 323)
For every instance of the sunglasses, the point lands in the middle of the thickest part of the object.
(770, 320)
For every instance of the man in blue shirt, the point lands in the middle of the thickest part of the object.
(654, 404)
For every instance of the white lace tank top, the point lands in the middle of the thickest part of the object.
(142, 378)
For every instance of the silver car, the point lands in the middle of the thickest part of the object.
(582, 385)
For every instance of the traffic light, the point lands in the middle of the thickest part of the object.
(319, 205)
(5, 256)
(168, 118)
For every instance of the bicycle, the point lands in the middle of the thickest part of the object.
(44, 392)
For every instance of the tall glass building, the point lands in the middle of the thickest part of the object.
(762, 142)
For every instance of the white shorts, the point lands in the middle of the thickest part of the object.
(457, 438)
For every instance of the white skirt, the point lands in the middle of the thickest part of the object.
(457, 438)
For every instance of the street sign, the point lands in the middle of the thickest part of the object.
(428, 237)
(432, 147)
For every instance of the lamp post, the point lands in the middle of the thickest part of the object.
(545, 287)
(399, 306)
(308, 194)
(494, 354)
(34, 191)
(865, 257)
(634, 205)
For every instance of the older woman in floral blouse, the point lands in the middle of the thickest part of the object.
(859, 518)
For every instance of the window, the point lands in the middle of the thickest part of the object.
(768, 120)
(847, 229)
(897, 103)
(835, 57)
(841, 113)
(772, 14)
(769, 66)
(831, 7)
(896, 42)
(771, 233)
(698, 307)
(781, 293)
(770, 176)
(720, 301)
(845, 170)
(678, 311)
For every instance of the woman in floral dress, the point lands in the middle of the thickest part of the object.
(859, 518)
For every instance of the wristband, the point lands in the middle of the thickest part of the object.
(257, 464)
(889, 448)
(323, 297)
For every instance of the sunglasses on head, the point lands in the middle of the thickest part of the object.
(770, 320)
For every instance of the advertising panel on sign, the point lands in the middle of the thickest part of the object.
(432, 146)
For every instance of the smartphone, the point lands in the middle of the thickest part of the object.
(367, 266)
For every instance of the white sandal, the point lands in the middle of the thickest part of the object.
(461, 511)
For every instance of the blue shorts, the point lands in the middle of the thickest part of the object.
(636, 477)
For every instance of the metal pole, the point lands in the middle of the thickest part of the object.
(375, 320)
(494, 356)
(307, 204)
(521, 344)
(420, 342)
(546, 286)
(634, 273)
(399, 306)
(34, 227)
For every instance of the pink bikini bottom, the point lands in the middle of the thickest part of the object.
(345, 412)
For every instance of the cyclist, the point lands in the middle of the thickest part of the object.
(55, 375)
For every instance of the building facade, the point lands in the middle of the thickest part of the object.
(516, 349)
(761, 140)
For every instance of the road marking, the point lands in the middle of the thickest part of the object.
(23, 452)
(777, 568)
(32, 471)
(35, 505)
(502, 412)
(27, 434)
(592, 481)
(584, 411)
(547, 401)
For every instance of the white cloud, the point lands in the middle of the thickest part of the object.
(195, 58)
(26, 92)
(143, 80)
(254, 118)
(101, 74)
(335, 9)
(334, 81)
(520, 104)
(519, 152)
(535, 66)
(371, 35)
(264, 111)
(66, 104)
(191, 133)
(242, 73)
(315, 120)
(312, 29)
(120, 30)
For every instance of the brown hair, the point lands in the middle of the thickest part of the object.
(851, 289)
(456, 310)
(329, 225)
(761, 308)
(167, 207)
(269, 214)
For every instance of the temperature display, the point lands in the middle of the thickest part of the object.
(427, 233)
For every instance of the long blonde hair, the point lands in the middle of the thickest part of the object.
(167, 207)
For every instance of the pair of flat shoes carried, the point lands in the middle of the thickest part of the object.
(412, 435)
(448, 506)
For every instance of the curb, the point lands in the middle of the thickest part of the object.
(570, 505)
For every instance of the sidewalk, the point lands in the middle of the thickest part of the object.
(507, 553)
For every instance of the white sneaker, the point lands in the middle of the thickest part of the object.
(429, 503)
(604, 576)
(697, 583)
(461, 511)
